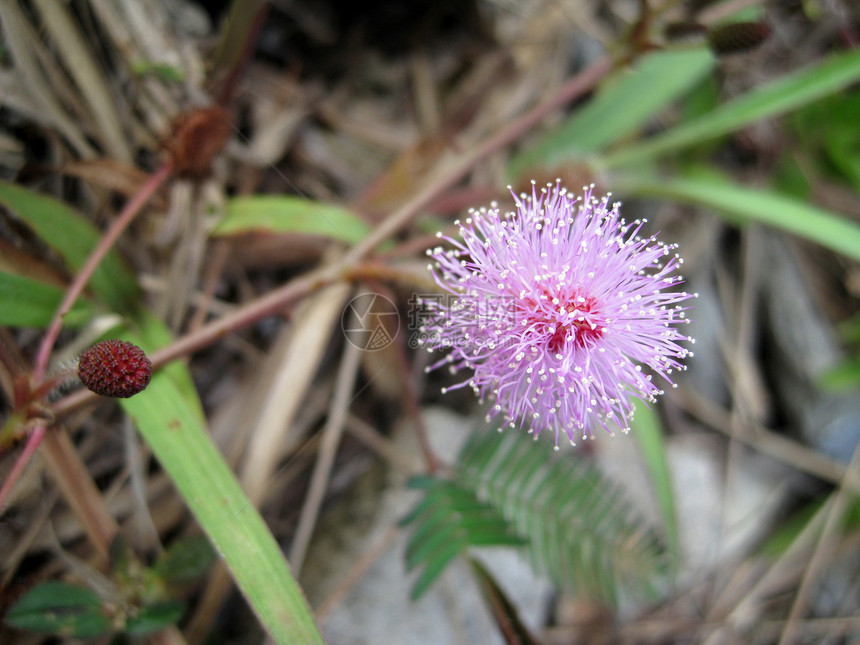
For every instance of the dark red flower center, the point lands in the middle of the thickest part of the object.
(574, 321)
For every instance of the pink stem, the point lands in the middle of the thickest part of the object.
(33, 443)
(132, 208)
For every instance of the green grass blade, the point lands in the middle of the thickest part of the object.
(25, 302)
(648, 432)
(289, 214)
(172, 424)
(626, 103)
(750, 205)
(73, 237)
(779, 97)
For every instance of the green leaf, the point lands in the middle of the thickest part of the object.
(171, 420)
(789, 179)
(648, 432)
(290, 214)
(441, 537)
(750, 205)
(581, 532)
(25, 302)
(624, 105)
(70, 234)
(448, 520)
(781, 96)
(154, 617)
(434, 566)
(805, 519)
(62, 609)
(186, 560)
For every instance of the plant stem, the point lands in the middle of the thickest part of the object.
(132, 208)
(33, 442)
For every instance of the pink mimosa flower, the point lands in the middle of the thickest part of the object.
(556, 308)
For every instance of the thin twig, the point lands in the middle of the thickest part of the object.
(766, 441)
(78, 489)
(356, 573)
(215, 262)
(413, 406)
(325, 458)
(381, 445)
(823, 551)
(33, 443)
(132, 208)
(574, 88)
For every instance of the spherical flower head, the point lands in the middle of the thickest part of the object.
(555, 309)
(115, 368)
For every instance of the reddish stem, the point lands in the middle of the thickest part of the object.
(229, 86)
(132, 208)
(33, 443)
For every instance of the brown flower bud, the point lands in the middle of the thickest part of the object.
(196, 137)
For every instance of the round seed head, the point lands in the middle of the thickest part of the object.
(115, 368)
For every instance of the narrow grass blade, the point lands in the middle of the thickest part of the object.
(172, 423)
(70, 234)
(648, 432)
(623, 105)
(749, 205)
(779, 97)
(504, 611)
